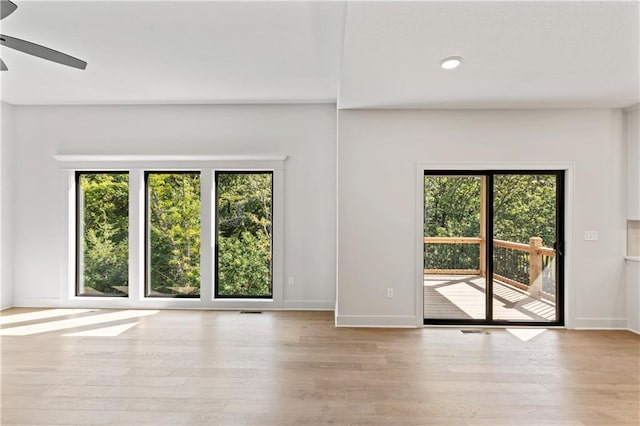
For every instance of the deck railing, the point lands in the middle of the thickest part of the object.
(525, 266)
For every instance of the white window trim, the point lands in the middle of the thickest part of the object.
(569, 292)
(136, 165)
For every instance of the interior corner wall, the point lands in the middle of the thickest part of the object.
(378, 153)
(6, 204)
(306, 133)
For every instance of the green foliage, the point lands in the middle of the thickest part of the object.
(244, 266)
(174, 215)
(524, 207)
(174, 209)
(452, 209)
(452, 206)
(105, 232)
(244, 234)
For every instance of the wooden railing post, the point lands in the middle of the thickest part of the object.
(535, 266)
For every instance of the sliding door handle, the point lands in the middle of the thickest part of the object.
(559, 248)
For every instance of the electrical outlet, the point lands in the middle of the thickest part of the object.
(591, 235)
(390, 293)
(292, 281)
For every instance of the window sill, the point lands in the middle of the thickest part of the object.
(632, 258)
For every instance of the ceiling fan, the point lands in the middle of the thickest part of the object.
(7, 7)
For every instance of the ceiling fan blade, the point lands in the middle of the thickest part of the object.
(41, 52)
(7, 7)
(3, 66)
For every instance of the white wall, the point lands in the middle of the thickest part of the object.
(633, 265)
(378, 152)
(305, 133)
(632, 120)
(633, 295)
(6, 204)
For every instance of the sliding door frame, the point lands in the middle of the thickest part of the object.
(564, 203)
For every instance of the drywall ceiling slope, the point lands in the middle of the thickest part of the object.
(522, 54)
(176, 52)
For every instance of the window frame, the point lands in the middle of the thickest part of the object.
(147, 235)
(136, 165)
(216, 222)
(79, 235)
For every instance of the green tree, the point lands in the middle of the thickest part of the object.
(244, 225)
(244, 234)
(105, 232)
(524, 207)
(174, 217)
(452, 206)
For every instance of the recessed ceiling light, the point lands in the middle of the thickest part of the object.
(452, 62)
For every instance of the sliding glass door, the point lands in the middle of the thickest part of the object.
(493, 247)
(525, 229)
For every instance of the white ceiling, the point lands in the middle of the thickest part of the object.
(523, 54)
(516, 54)
(176, 52)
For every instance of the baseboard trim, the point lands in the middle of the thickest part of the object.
(191, 304)
(4, 308)
(377, 321)
(599, 324)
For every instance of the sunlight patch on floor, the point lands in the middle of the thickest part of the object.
(38, 315)
(75, 322)
(526, 334)
(112, 331)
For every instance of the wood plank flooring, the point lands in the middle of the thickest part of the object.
(95, 367)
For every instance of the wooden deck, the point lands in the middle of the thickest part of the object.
(463, 297)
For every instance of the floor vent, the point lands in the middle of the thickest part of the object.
(474, 331)
(250, 312)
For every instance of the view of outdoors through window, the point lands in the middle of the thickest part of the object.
(243, 214)
(524, 219)
(173, 227)
(453, 210)
(524, 241)
(244, 234)
(103, 234)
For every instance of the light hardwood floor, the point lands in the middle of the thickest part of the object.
(296, 368)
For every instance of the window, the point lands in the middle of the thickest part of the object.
(102, 233)
(173, 234)
(175, 231)
(243, 255)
